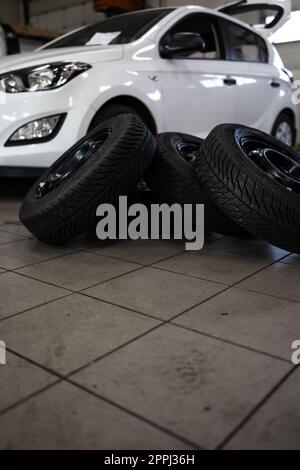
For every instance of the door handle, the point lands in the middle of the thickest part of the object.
(275, 84)
(230, 81)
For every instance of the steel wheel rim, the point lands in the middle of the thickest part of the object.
(284, 133)
(74, 160)
(188, 151)
(280, 165)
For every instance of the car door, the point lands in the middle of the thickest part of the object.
(198, 91)
(258, 81)
(265, 16)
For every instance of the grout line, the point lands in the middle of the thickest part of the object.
(226, 289)
(67, 288)
(27, 237)
(37, 364)
(218, 282)
(110, 279)
(116, 349)
(147, 265)
(190, 276)
(115, 258)
(267, 295)
(256, 408)
(61, 379)
(163, 322)
(11, 242)
(28, 397)
(42, 261)
(170, 321)
(35, 306)
(136, 415)
(232, 343)
(113, 304)
(47, 283)
(81, 291)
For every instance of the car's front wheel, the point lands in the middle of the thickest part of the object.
(283, 129)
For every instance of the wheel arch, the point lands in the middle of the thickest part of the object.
(291, 114)
(133, 103)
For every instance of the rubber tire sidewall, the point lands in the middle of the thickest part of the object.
(101, 179)
(246, 193)
(174, 181)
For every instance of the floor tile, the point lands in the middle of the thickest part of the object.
(19, 379)
(253, 248)
(212, 236)
(196, 386)
(293, 259)
(26, 252)
(213, 266)
(6, 237)
(71, 332)
(67, 418)
(155, 292)
(142, 251)
(250, 319)
(280, 280)
(18, 293)
(276, 426)
(79, 271)
(9, 211)
(16, 229)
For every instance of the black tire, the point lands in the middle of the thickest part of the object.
(172, 179)
(56, 214)
(284, 119)
(237, 168)
(112, 110)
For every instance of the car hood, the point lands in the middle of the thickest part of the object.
(89, 54)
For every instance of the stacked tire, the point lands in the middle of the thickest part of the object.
(248, 181)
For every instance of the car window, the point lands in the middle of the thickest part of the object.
(244, 45)
(119, 29)
(203, 25)
(264, 16)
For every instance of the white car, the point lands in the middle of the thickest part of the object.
(181, 69)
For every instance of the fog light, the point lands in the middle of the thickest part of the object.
(40, 130)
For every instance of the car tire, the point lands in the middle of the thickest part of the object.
(103, 165)
(173, 180)
(245, 172)
(113, 110)
(284, 129)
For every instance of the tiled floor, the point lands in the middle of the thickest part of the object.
(140, 345)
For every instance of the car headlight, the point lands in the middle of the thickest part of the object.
(44, 77)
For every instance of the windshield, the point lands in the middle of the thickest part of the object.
(119, 29)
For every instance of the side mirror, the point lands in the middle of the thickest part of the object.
(183, 43)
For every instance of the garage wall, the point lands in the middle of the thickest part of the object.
(11, 11)
(61, 15)
(68, 14)
(205, 3)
